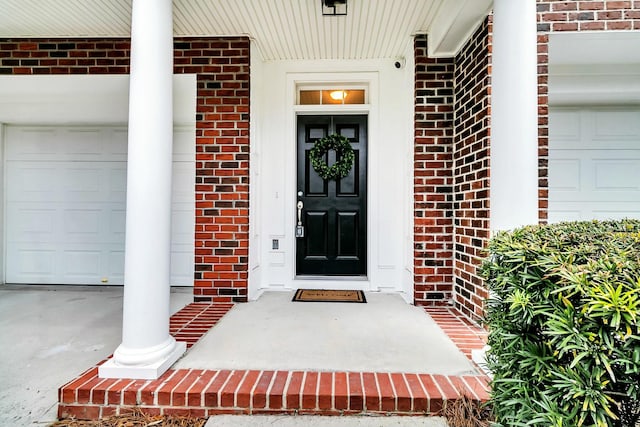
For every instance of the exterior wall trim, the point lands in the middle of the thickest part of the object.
(276, 269)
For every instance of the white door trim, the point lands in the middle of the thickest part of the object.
(273, 170)
(369, 80)
(333, 282)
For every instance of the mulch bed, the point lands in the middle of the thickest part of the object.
(466, 412)
(135, 419)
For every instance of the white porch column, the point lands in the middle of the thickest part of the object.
(147, 349)
(514, 115)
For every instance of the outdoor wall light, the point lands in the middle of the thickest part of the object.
(334, 7)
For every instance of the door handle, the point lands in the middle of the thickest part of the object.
(300, 227)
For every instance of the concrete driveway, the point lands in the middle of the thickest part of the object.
(49, 334)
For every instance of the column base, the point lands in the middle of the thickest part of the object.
(152, 371)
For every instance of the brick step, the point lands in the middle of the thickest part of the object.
(201, 393)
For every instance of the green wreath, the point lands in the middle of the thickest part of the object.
(344, 157)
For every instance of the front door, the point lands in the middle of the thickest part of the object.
(334, 211)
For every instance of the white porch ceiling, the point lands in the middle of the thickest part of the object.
(282, 29)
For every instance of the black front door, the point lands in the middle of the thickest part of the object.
(334, 212)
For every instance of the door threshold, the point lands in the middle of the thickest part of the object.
(333, 278)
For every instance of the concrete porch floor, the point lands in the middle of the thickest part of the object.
(58, 331)
(273, 333)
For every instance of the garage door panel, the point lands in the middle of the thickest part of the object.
(31, 264)
(31, 183)
(563, 212)
(81, 264)
(590, 198)
(181, 260)
(117, 183)
(117, 143)
(565, 173)
(91, 182)
(183, 180)
(181, 225)
(594, 175)
(183, 147)
(34, 143)
(82, 225)
(50, 182)
(567, 128)
(66, 211)
(594, 129)
(616, 212)
(82, 144)
(82, 184)
(115, 265)
(581, 211)
(616, 125)
(43, 144)
(594, 163)
(35, 224)
(116, 225)
(617, 175)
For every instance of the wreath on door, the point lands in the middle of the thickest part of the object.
(344, 157)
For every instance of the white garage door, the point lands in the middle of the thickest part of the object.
(65, 205)
(594, 163)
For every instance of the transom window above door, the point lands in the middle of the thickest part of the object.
(310, 95)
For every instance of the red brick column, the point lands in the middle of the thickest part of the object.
(222, 167)
(451, 184)
(433, 181)
(471, 169)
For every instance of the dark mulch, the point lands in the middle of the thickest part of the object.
(466, 412)
(135, 419)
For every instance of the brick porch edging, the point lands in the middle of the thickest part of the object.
(203, 393)
(464, 333)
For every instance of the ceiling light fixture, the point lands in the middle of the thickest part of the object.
(338, 95)
(334, 7)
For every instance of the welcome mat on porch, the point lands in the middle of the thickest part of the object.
(326, 295)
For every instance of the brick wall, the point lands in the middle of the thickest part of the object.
(433, 180)
(222, 138)
(222, 167)
(451, 174)
(555, 16)
(471, 169)
(588, 15)
(472, 125)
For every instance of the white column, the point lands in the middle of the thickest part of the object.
(147, 348)
(514, 115)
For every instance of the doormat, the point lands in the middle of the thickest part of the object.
(325, 295)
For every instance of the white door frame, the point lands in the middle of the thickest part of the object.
(332, 282)
(273, 181)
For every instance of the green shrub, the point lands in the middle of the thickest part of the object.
(563, 321)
